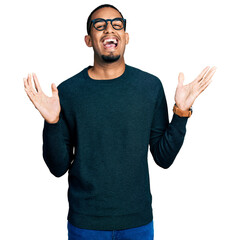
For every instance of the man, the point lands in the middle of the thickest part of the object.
(98, 125)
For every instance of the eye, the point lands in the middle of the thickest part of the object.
(117, 23)
(99, 24)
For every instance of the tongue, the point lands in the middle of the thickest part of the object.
(110, 45)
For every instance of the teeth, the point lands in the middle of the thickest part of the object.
(110, 40)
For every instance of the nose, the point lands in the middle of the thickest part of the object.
(109, 28)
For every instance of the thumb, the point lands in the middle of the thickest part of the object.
(54, 89)
(180, 79)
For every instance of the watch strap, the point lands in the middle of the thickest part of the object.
(182, 113)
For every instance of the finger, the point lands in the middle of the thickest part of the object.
(25, 82)
(200, 76)
(30, 94)
(30, 86)
(36, 82)
(26, 87)
(54, 90)
(210, 73)
(180, 79)
(205, 83)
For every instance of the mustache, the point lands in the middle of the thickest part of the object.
(113, 35)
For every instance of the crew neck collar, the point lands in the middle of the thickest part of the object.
(105, 81)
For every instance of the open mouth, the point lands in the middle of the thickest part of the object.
(110, 43)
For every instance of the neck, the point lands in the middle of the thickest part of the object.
(106, 71)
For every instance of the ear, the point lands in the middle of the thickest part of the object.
(126, 38)
(88, 40)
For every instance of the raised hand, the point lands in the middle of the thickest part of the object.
(185, 95)
(49, 107)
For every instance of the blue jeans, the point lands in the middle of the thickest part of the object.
(144, 232)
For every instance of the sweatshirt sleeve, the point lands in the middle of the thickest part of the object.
(166, 138)
(57, 148)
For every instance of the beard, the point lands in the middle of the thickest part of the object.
(110, 58)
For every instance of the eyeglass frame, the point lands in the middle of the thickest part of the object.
(106, 21)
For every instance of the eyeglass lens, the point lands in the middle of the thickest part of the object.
(101, 24)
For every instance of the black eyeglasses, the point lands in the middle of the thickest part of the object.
(100, 24)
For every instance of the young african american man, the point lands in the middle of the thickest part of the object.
(98, 125)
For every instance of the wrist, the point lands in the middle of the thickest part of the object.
(182, 112)
(182, 107)
(56, 120)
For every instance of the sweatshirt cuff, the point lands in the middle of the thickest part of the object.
(52, 128)
(179, 122)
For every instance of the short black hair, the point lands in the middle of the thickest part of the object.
(99, 7)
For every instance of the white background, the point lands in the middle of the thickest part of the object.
(198, 196)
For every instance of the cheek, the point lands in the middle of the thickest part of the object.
(124, 40)
(96, 42)
(123, 44)
(95, 45)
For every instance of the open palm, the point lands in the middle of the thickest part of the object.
(49, 107)
(185, 95)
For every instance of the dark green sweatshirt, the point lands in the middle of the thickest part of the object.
(102, 140)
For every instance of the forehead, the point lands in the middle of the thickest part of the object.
(106, 13)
